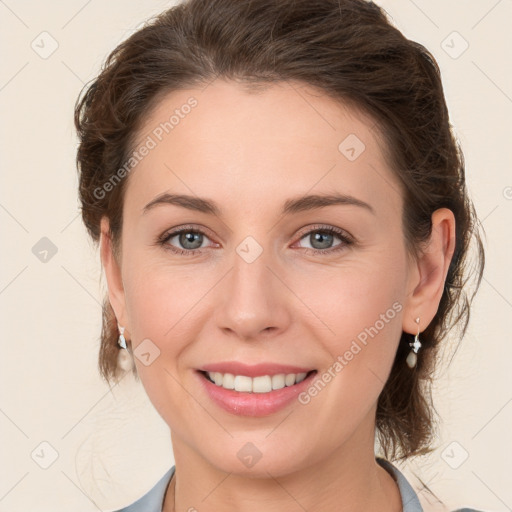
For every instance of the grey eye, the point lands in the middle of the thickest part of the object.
(189, 239)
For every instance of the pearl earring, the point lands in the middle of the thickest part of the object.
(415, 345)
(121, 341)
(124, 359)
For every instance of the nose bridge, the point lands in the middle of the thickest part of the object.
(253, 298)
(251, 268)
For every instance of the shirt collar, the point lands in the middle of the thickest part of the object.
(153, 500)
(410, 501)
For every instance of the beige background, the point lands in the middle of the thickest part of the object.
(111, 446)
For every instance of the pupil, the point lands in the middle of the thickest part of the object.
(190, 237)
(322, 236)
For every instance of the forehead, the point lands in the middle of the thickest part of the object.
(285, 140)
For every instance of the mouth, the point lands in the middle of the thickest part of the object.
(259, 384)
(259, 395)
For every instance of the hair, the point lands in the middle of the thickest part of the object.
(349, 50)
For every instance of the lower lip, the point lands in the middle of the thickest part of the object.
(253, 404)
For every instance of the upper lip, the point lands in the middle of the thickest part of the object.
(255, 370)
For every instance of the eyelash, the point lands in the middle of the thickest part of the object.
(346, 240)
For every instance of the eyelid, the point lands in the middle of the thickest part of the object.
(186, 227)
(346, 238)
(324, 227)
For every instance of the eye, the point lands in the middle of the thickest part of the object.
(185, 240)
(189, 241)
(321, 239)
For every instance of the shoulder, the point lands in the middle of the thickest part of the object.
(153, 500)
(466, 509)
(410, 500)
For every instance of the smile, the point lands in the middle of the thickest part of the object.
(261, 395)
(260, 384)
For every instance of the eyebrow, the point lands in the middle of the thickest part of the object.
(296, 205)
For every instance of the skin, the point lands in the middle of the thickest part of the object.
(250, 152)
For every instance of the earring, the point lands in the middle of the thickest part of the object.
(121, 341)
(124, 358)
(415, 345)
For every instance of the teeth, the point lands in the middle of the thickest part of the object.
(262, 384)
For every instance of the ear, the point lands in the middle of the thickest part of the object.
(112, 274)
(428, 273)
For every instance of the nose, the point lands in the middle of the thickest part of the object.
(254, 302)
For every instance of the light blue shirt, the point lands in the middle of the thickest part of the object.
(153, 500)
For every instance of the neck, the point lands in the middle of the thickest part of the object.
(349, 479)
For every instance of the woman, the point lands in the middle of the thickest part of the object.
(283, 221)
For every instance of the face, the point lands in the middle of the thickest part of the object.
(269, 277)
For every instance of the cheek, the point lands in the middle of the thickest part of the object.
(349, 298)
(160, 306)
(148, 302)
(164, 301)
(156, 303)
(358, 308)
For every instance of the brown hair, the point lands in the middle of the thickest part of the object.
(350, 51)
